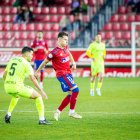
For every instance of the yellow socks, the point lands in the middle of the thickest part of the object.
(12, 105)
(40, 107)
(99, 85)
(92, 85)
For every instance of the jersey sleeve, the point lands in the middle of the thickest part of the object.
(104, 53)
(89, 51)
(50, 56)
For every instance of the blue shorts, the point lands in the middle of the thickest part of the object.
(37, 63)
(67, 82)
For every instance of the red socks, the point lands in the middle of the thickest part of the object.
(64, 103)
(73, 100)
(69, 99)
(41, 76)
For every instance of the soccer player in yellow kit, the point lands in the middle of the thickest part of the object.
(96, 52)
(16, 71)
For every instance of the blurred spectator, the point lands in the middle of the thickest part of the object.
(84, 7)
(24, 15)
(40, 3)
(131, 4)
(65, 24)
(19, 18)
(49, 2)
(28, 15)
(77, 24)
(137, 7)
(19, 3)
(75, 6)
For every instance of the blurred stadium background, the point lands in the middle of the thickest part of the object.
(111, 18)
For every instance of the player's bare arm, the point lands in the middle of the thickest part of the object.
(42, 65)
(46, 51)
(43, 94)
(72, 61)
(4, 75)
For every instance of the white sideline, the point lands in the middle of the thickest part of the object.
(112, 113)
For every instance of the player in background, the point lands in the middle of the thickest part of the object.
(40, 48)
(61, 59)
(96, 52)
(16, 71)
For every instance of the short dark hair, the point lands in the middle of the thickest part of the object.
(26, 49)
(61, 34)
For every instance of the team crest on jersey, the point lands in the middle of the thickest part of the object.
(66, 59)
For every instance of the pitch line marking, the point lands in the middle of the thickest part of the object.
(112, 113)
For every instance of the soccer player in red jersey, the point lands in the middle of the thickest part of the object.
(61, 59)
(40, 51)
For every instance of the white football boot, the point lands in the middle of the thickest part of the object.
(57, 115)
(91, 92)
(75, 115)
(98, 92)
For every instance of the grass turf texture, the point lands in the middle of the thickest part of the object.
(113, 116)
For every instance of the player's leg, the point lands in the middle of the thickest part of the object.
(41, 78)
(71, 86)
(65, 101)
(41, 73)
(92, 84)
(63, 104)
(40, 107)
(12, 105)
(99, 84)
(93, 79)
(73, 100)
(29, 92)
(100, 79)
(37, 63)
(11, 90)
(68, 85)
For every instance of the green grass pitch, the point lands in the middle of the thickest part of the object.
(113, 116)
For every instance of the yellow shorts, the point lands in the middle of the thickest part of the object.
(18, 90)
(97, 68)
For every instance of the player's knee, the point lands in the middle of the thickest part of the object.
(76, 90)
(101, 76)
(35, 95)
